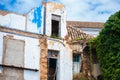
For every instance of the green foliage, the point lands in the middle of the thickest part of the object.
(107, 46)
(54, 35)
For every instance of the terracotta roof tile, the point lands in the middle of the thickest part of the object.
(85, 24)
(77, 34)
(4, 12)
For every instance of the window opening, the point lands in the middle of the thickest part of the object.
(76, 64)
(52, 65)
(55, 33)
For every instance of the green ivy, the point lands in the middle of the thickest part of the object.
(107, 46)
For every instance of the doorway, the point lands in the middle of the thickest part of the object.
(53, 65)
(52, 69)
(76, 63)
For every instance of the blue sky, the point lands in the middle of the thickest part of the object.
(77, 10)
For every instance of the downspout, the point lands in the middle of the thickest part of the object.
(44, 18)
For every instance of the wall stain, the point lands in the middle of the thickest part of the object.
(55, 6)
(51, 43)
(37, 16)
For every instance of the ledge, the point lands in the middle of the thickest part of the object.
(19, 32)
(12, 66)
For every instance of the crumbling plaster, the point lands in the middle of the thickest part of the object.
(60, 11)
(31, 55)
(65, 62)
(12, 20)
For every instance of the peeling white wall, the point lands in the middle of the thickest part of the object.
(12, 20)
(31, 75)
(31, 22)
(32, 49)
(1, 51)
(1, 47)
(31, 57)
(60, 12)
(35, 20)
(65, 58)
(65, 54)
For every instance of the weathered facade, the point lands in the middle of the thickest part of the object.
(80, 33)
(27, 49)
(39, 46)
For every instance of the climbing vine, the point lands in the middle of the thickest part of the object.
(107, 46)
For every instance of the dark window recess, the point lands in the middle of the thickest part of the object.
(55, 28)
(52, 69)
(52, 64)
(76, 58)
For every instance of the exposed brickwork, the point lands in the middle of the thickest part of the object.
(76, 34)
(4, 12)
(43, 58)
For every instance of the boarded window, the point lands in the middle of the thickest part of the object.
(76, 63)
(13, 52)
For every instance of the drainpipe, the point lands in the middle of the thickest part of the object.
(44, 18)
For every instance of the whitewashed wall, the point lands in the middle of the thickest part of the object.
(31, 22)
(92, 31)
(65, 54)
(57, 9)
(35, 20)
(12, 20)
(65, 58)
(31, 57)
(1, 50)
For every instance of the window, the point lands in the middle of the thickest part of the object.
(76, 58)
(13, 59)
(76, 63)
(0, 69)
(55, 26)
(13, 52)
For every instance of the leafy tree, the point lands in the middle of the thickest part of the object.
(107, 46)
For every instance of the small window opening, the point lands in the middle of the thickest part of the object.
(55, 28)
(76, 58)
(55, 33)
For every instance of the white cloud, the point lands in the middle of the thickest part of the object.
(87, 10)
(82, 10)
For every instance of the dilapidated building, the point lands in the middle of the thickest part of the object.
(39, 46)
(80, 33)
